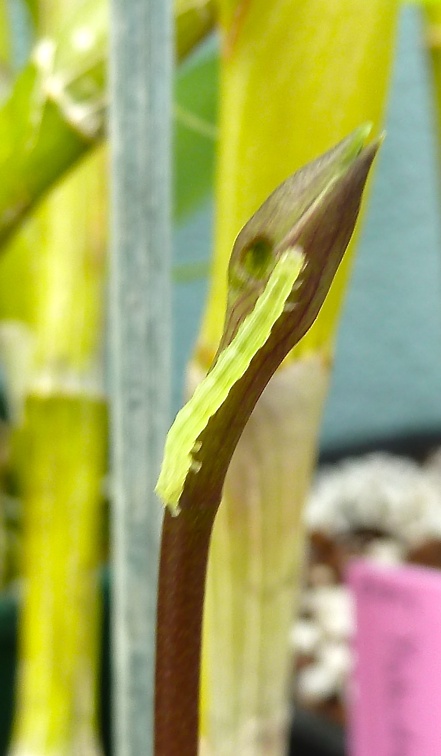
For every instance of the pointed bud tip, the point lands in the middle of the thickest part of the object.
(361, 135)
(373, 147)
(363, 131)
(356, 141)
(367, 152)
(380, 138)
(351, 147)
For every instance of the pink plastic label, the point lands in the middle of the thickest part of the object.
(395, 696)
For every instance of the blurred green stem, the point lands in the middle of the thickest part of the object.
(65, 454)
(5, 53)
(57, 109)
(5, 46)
(194, 19)
(432, 33)
(63, 458)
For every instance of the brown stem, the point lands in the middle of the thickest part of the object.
(184, 553)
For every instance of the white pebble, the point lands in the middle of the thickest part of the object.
(316, 682)
(333, 610)
(305, 636)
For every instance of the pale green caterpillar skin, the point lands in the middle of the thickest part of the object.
(233, 361)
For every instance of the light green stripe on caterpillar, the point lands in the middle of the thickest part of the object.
(229, 368)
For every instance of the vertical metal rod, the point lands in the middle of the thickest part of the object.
(140, 96)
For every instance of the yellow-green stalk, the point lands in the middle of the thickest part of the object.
(431, 12)
(62, 458)
(63, 464)
(56, 111)
(5, 73)
(63, 442)
(5, 48)
(297, 76)
(193, 19)
(16, 344)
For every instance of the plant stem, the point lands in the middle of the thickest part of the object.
(65, 443)
(59, 103)
(5, 76)
(54, 114)
(432, 32)
(65, 453)
(5, 48)
(184, 553)
(194, 19)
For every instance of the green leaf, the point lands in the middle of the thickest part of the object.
(195, 115)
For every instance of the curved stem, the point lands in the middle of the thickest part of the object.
(183, 566)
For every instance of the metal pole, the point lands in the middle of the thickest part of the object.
(140, 114)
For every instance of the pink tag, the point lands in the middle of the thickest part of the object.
(395, 696)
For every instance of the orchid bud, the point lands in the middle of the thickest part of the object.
(282, 265)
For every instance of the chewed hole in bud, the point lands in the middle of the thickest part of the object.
(257, 257)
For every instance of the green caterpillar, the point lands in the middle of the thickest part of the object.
(233, 361)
